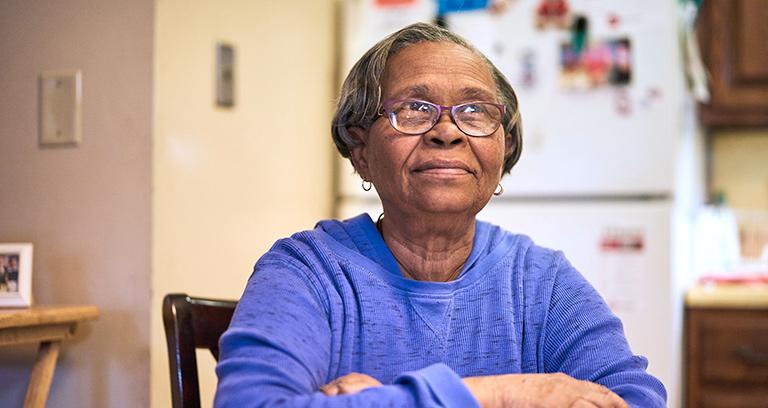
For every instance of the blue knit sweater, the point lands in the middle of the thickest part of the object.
(332, 300)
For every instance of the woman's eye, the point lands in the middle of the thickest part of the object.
(471, 109)
(418, 107)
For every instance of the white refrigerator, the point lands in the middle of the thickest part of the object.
(611, 166)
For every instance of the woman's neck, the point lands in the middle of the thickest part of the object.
(429, 249)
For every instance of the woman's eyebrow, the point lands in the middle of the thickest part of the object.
(477, 94)
(416, 91)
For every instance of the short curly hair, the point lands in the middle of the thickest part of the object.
(360, 96)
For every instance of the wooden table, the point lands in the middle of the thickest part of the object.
(48, 326)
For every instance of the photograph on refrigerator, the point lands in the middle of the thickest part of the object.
(601, 64)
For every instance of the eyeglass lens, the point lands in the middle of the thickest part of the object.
(415, 117)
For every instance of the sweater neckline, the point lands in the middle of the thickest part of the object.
(487, 249)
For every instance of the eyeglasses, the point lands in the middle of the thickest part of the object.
(415, 117)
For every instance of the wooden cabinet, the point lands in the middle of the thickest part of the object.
(726, 357)
(733, 38)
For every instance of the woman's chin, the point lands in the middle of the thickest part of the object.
(449, 202)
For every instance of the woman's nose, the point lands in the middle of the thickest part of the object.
(445, 132)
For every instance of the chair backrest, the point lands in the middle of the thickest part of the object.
(192, 323)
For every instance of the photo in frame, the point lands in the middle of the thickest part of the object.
(16, 275)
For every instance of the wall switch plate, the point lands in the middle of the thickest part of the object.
(225, 75)
(60, 108)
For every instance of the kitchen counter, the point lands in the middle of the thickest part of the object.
(728, 295)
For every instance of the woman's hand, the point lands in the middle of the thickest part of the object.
(349, 384)
(541, 390)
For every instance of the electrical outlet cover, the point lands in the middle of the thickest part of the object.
(60, 108)
(225, 75)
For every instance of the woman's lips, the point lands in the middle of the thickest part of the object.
(443, 167)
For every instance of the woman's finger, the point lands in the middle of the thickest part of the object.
(603, 397)
(349, 384)
(582, 403)
(332, 388)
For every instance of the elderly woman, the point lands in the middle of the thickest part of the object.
(426, 307)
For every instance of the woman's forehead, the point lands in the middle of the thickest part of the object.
(425, 68)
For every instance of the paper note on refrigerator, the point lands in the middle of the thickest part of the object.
(624, 271)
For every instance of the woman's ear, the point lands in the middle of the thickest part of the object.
(509, 144)
(358, 152)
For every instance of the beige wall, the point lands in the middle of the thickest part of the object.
(166, 192)
(229, 182)
(740, 167)
(87, 210)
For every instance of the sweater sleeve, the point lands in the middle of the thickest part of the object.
(278, 351)
(585, 340)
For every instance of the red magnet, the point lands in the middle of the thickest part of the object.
(552, 12)
(614, 20)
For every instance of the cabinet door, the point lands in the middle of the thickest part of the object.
(733, 36)
(727, 358)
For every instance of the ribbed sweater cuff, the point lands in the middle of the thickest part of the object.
(444, 385)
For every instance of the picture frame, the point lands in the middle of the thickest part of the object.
(15, 275)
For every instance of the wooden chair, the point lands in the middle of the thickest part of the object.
(192, 323)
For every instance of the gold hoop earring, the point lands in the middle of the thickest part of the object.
(367, 187)
(499, 191)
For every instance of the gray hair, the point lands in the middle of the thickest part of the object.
(361, 92)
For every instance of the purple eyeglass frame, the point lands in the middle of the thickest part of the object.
(384, 111)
